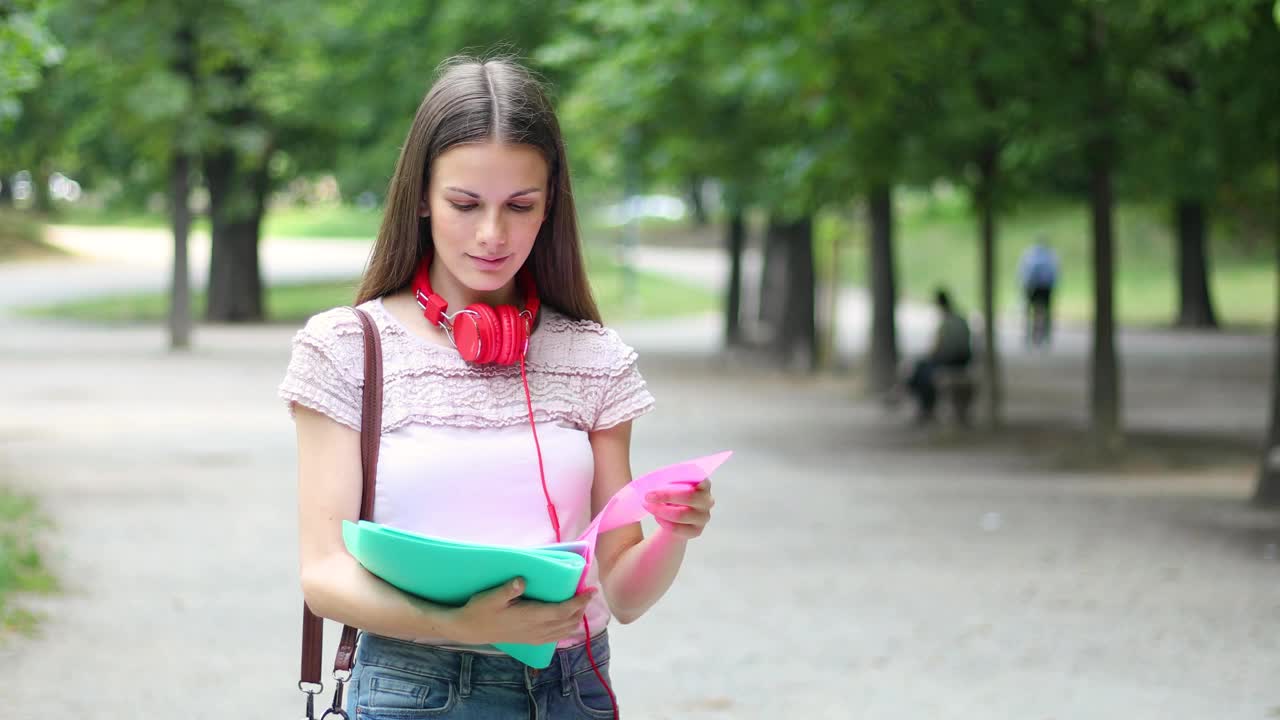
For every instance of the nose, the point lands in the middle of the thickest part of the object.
(491, 231)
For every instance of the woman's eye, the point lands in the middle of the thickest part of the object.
(463, 208)
(520, 208)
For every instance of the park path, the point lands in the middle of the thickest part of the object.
(857, 568)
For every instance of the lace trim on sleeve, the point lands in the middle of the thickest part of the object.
(320, 373)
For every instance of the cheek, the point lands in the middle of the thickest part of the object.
(525, 227)
(450, 225)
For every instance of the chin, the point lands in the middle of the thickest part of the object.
(487, 283)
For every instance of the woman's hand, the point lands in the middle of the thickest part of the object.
(501, 616)
(683, 513)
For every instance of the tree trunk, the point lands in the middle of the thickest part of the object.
(735, 239)
(6, 190)
(699, 207)
(884, 337)
(179, 205)
(180, 298)
(236, 202)
(1104, 375)
(1268, 491)
(773, 277)
(988, 167)
(1105, 371)
(43, 199)
(1195, 304)
(797, 339)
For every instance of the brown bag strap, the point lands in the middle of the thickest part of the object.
(370, 439)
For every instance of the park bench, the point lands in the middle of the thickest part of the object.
(957, 387)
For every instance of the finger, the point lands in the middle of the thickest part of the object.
(515, 588)
(575, 607)
(682, 514)
(552, 614)
(693, 498)
(543, 618)
(573, 623)
(503, 594)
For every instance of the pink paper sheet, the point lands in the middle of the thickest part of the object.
(627, 505)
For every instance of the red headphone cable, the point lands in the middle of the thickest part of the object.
(555, 523)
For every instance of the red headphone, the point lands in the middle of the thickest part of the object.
(486, 334)
(482, 333)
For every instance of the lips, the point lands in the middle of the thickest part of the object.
(484, 263)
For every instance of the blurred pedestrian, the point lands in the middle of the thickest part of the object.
(1038, 274)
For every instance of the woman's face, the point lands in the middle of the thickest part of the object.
(486, 202)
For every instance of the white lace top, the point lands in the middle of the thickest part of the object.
(580, 374)
(457, 458)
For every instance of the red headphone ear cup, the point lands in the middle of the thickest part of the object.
(520, 336)
(473, 333)
(489, 328)
(510, 352)
(466, 335)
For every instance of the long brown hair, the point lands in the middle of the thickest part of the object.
(474, 101)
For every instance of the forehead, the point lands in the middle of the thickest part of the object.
(491, 166)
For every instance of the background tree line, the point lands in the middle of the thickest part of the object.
(792, 110)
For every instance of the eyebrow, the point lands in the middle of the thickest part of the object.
(518, 193)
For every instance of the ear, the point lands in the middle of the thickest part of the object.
(551, 199)
(424, 207)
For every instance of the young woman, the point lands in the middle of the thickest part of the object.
(479, 218)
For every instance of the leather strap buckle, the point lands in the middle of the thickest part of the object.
(341, 676)
(311, 690)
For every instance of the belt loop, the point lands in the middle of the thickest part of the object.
(566, 672)
(464, 675)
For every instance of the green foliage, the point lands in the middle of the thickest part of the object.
(381, 58)
(791, 108)
(26, 48)
(671, 90)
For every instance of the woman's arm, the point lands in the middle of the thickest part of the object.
(334, 584)
(337, 587)
(637, 571)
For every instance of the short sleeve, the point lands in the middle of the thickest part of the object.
(322, 368)
(625, 395)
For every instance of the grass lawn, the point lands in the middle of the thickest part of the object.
(326, 221)
(655, 296)
(936, 244)
(21, 569)
(339, 221)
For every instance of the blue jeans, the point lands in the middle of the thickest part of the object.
(398, 680)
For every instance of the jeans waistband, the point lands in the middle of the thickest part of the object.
(470, 668)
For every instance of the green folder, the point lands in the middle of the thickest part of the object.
(449, 572)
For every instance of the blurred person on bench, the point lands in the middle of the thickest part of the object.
(952, 351)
